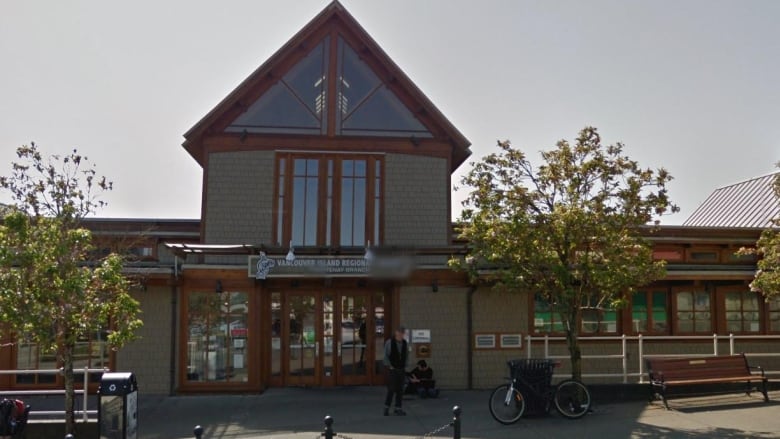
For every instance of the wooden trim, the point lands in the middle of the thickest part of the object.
(318, 144)
(332, 97)
(720, 317)
(204, 198)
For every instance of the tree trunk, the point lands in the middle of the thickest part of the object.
(70, 397)
(573, 344)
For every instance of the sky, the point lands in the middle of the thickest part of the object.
(691, 86)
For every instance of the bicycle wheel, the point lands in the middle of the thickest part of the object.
(506, 407)
(572, 399)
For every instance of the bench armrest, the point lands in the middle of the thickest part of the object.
(758, 368)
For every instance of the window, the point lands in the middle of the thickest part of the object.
(694, 312)
(742, 312)
(649, 312)
(29, 357)
(90, 351)
(353, 202)
(546, 317)
(295, 104)
(329, 200)
(703, 256)
(598, 320)
(217, 335)
(365, 105)
(305, 201)
(773, 308)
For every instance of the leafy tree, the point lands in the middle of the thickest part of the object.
(53, 291)
(569, 231)
(767, 278)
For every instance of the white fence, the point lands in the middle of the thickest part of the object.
(641, 342)
(84, 392)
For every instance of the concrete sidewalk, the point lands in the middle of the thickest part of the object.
(357, 411)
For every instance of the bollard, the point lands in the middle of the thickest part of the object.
(456, 422)
(328, 433)
(198, 431)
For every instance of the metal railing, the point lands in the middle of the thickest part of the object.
(623, 355)
(84, 392)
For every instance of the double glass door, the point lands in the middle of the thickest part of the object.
(322, 338)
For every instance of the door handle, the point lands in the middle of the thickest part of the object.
(317, 349)
(338, 349)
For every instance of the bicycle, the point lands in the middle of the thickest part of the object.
(508, 403)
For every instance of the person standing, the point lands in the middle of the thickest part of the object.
(395, 360)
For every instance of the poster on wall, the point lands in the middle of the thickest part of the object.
(421, 335)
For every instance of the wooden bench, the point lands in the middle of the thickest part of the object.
(673, 372)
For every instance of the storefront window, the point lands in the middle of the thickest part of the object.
(90, 351)
(649, 312)
(742, 312)
(29, 357)
(694, 312)
(217, 337)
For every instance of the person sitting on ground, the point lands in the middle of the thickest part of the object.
(13, 417)
(421, 381)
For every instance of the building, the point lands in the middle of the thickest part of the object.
(326, 223)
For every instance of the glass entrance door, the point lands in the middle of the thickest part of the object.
(327, 337)
(303, 341)
(355, 338)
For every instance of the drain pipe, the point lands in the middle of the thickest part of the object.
(470, 330)
(174, 313)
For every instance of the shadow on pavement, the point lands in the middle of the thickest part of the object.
(357, 413)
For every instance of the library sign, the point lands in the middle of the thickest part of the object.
(263, 266)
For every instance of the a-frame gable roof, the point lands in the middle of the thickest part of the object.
(299, 46)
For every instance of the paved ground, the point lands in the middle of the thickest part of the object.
(298, 413)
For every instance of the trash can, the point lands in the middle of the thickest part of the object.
(118, 406)
(536, 379)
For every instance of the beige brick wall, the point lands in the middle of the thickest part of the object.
(497, 312)
(239, 200)
(417, 210)
(444, 313)
(149, 356)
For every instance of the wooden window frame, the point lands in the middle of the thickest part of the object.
(370, 202)
(763, 310)
(766, 314)
(629, 314)
(703, 249)
(713, 310)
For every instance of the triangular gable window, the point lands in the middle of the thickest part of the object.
(295, 104)
(365, 106)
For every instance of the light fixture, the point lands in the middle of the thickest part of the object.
(435, 286)
(218, 288)
(368, 256)
(290, 254)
